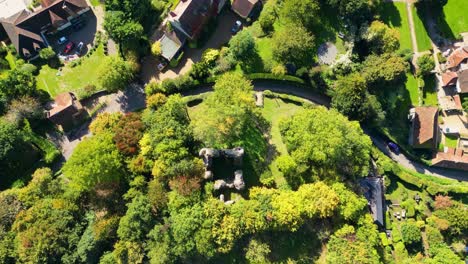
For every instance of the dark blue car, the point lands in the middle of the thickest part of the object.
(393, 147)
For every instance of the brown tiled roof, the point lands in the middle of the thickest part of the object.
(243, 7)
(64, 101)
(462, 84)
(192, 15)
(24, 28)
(424, 124)
(449, 78)
(452, 158)
(457, 57)
(450, 102)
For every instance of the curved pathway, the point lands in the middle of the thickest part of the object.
(133, 99)
(379, 142)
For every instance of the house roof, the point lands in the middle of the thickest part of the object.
(373, 191)
(451, 158)
(171, 42)
(424, 124)
(457, 57)
(9, 8)
(24, 29)
(462, 84)
(450, 102)
(243, 7)
(191, 15)
(62, 102)
(449, 78)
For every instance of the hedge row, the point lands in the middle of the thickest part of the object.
(270, 76)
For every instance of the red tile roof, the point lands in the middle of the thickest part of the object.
(424, 124)
(457, 57)
(462, 85)
(449, 78)
(452, 158)
(243, 7)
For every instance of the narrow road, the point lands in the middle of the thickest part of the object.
(378, 141)
(133, 99)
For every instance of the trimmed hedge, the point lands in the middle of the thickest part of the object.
(270, 76)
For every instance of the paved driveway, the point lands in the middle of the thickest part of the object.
(221, 36)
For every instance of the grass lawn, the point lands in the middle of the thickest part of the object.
(451, 141)
(274, 110)
(429, 91)
(412, 87)
(424, 41)
(95, 2)
(456, 16)
(395, 15)
(72, 79)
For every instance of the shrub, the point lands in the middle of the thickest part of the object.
(156, 49)
(155, 101)
(128, 132)
(174, 62)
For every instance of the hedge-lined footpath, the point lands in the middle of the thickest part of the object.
(432, 184)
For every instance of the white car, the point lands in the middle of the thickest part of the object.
(62, 40)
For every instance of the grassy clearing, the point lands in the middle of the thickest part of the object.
(455, 12)
(274, 110)
(395, 15)
(424, 41)
(412, 87)
(429, 91)
(72, 78)
(95, 2)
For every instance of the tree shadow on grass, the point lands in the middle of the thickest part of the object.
(253, 63)
(389, 14)
(434, 12)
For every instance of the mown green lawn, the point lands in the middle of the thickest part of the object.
(274, 110)
(72, 78)
(429, 91)
(456, 16)
(412, 87)
(424, 41)
(395, 15)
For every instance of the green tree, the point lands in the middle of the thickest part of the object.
(105, 123)
(95, 160)
(47, 53)
(356, 10)
(268, 16)
(410, 233)
(384, 69)
(351, 98)
(24, 107)
(300, 12)
(156, 49)
(227, 113)
(9, 138)
(426, 64)
(257, 252)
(382, 38)
(293, 44)
(242, 45)
(115, 74)
(323, 143)
(34, 244)
(17, 83)
(122, 29)
(137, 222)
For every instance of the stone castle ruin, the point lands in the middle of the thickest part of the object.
(234, 157)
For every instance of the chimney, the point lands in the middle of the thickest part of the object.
(172, 14)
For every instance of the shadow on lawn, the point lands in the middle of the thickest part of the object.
(433, 18)
(389, 14)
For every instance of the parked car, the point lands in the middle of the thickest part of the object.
(393, 147)
(69, 47)
(237, 27)
(62, 40)
(79, 48)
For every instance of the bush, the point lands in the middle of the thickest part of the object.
(175, 62)
(156, 49)
(270, 76)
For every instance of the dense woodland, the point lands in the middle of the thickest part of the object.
(134, 191)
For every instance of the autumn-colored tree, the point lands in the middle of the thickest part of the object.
(128, 132)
